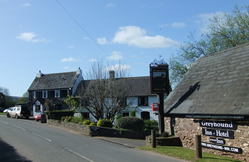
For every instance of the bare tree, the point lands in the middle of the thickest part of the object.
(5, 91)
(106, 92)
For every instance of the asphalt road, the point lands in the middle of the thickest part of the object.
(26, 140)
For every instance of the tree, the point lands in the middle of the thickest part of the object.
(5, 91)
(225, 31)
(106, 92)
(72, 102)
(24, 98)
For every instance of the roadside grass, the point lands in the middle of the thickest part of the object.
(2, 113)
(186, 154)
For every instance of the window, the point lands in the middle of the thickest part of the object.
(145, 115)
(63, 93)
(57, 93)
(143, 101)
(37, 108)
(51, 94)
(44, 94)
(85, 115)
(38, 94)
(125, 114)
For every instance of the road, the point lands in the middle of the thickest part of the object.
(27, 140)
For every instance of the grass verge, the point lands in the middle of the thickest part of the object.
(2, 113)
(186, 154)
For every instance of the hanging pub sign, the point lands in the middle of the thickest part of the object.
(218, 133)
(159, 78)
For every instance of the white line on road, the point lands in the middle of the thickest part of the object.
(41, 137)
(19, 127)
(78, 154)
(4, 122)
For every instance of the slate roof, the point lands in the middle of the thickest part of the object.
(214, 85)
(54, 81)
(139, 86)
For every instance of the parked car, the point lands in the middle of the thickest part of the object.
(19, 112)
(38, 117)
(9, 109)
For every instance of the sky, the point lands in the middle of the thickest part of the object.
(57, 36)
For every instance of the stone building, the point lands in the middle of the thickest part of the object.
(212, 100)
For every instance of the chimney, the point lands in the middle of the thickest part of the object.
(39, 74)
(79, 71)
(112, 74)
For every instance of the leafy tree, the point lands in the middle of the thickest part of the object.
(106, 94)
(72, 102)
(226, 30)
(24, 98)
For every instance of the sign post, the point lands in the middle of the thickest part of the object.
(159, 84)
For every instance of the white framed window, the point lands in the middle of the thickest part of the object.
(44, 94)
(57, 93)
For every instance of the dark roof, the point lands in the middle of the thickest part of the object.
(54, 81)
(139, 86)
(216, 85)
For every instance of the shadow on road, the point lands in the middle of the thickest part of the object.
(9, 153)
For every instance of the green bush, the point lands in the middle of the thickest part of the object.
(86, 122)
(132, 113)
(131, 123)
(104, 123)
(92, 124)
(150, 125)
(68, 118)
(75, 120)
(118, 116)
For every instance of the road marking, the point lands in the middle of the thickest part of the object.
(78, 154)
(41, 137)
(4, 122)
(19, 127)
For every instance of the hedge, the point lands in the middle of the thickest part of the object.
(58, 114)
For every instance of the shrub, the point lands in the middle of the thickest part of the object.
(133, 113)
(131, 123)
(104, 123)
(150, 124)
(86, 122)
(75, 120)
(68, 118)
(118, 116)
(92, 124)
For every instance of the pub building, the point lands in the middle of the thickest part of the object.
(212, 100)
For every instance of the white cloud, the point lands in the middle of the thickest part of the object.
(118, 67)
(102, 41)
(136, 36)
(204, 20)
(66, 67)
(115, 56)
(70, 59)
(178, 24)
(26, 5)
(110, 5)
(29, 37)
(93, 60)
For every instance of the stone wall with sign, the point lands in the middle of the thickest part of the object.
(218, 137)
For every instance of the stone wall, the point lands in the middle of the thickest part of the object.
(187, 128)
(97, 131)
(164, 141)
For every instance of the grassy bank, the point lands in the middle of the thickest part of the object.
(186, 154)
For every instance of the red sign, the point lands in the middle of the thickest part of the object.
(155, 106)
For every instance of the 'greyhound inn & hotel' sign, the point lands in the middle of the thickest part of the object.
(219, 130)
